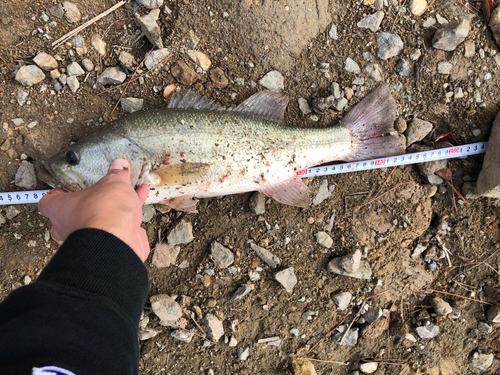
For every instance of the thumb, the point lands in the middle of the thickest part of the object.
(120, 167)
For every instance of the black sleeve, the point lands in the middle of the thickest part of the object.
(81, 314)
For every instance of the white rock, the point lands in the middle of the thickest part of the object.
(351, 66)
(333, 32)
(74, 69)
(45, 61)
(29, 75)
(25, 176)
(73, 84)
(417, 7)
(368, 367)
(200, 59)
(155, 57)
(215, 328)
(72, 13)
(444, 67)
(287, 278)
(111, 76)
(273, 81)
(372, 21)
(99, 45)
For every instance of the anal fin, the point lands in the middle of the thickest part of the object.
(292, 192)
(184, 203)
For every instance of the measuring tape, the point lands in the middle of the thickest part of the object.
(23, 197)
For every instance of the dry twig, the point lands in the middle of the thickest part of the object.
(323, 361)
(62, 39)
(452, 294)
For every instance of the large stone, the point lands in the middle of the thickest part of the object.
(441, 307)
(132, 105)
(164, 255)
(72, 13)
(372, 21)
(111, 76)
(488, 182)
(25, 175)
(417, 7)
(273, 81)
(323, 193)
(342, 300)
(417, 130)
(199, 59)
(181, 233)
(45, 61)
(29, 75)
(154, 58)
(430, 167)
(287, 278)
(151, 4)
(183, 73)
(389, 45)
(221, 256)
(218, 77)
(150, 28)
(165, 308)
(257, 203)
(482, 361)
(324, 239)
(363, 272)
(351, 66)
(449, 37)
(74, 69)
(269, 258)
(128, 61)
(214, 325)
(351, 262)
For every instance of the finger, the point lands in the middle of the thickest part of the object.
(120, 168)
(143, 192)
(56, 234)
(47, 201)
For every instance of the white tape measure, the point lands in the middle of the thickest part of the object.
(23, 197)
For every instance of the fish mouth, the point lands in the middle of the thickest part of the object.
(70, 180)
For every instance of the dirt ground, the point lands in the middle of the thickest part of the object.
(371, 208)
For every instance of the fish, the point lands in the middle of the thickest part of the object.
(195, 148)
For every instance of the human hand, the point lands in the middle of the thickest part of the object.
(111, 205)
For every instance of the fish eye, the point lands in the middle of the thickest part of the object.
(72, 157)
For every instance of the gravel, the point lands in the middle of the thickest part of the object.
(372, 21)
(273, 81)
(287, 278)
(26, 176)
(181, 233)
(214, 325)
(364, 271)
(243, 353)
(323, 193)
(267, 257)
(151, 4)
(72, 13)
(73, 83)
(323, 239)
(132, 105)
(22, 97)
(389, 45)
(150, 28)
(111, 76)
(17, 121)
(350, 339)
(45, 61)
(374, 72)
(444, 67)
(482, 361)
(304, 106)
(351, 66)
(164, 255)
(182, 335)
(88, 65)
(333, 32)
(257, 203)
(165, 308)
(29, 75)
(403, 68)
(417, 130)
(427, 332)
(449, 37)
(417, 7)
(155, 57)
(342, 300)
(183, 73)
(351, 262)
(242, 291)
(221, 256)
(200, 59)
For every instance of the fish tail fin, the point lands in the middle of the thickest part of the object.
(371, 124)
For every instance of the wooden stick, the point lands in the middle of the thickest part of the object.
(456, 191)
(62, 39)
(5, 62)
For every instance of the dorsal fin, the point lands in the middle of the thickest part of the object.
(191, 100)
(267, 104)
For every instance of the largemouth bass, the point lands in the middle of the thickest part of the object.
(197, 149)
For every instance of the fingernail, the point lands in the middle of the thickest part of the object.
(120, 164)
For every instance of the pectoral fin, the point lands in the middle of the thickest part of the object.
(180, 174)
(183, 203)
(292, 192)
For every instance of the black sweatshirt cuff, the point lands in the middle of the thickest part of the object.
(97, 262)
